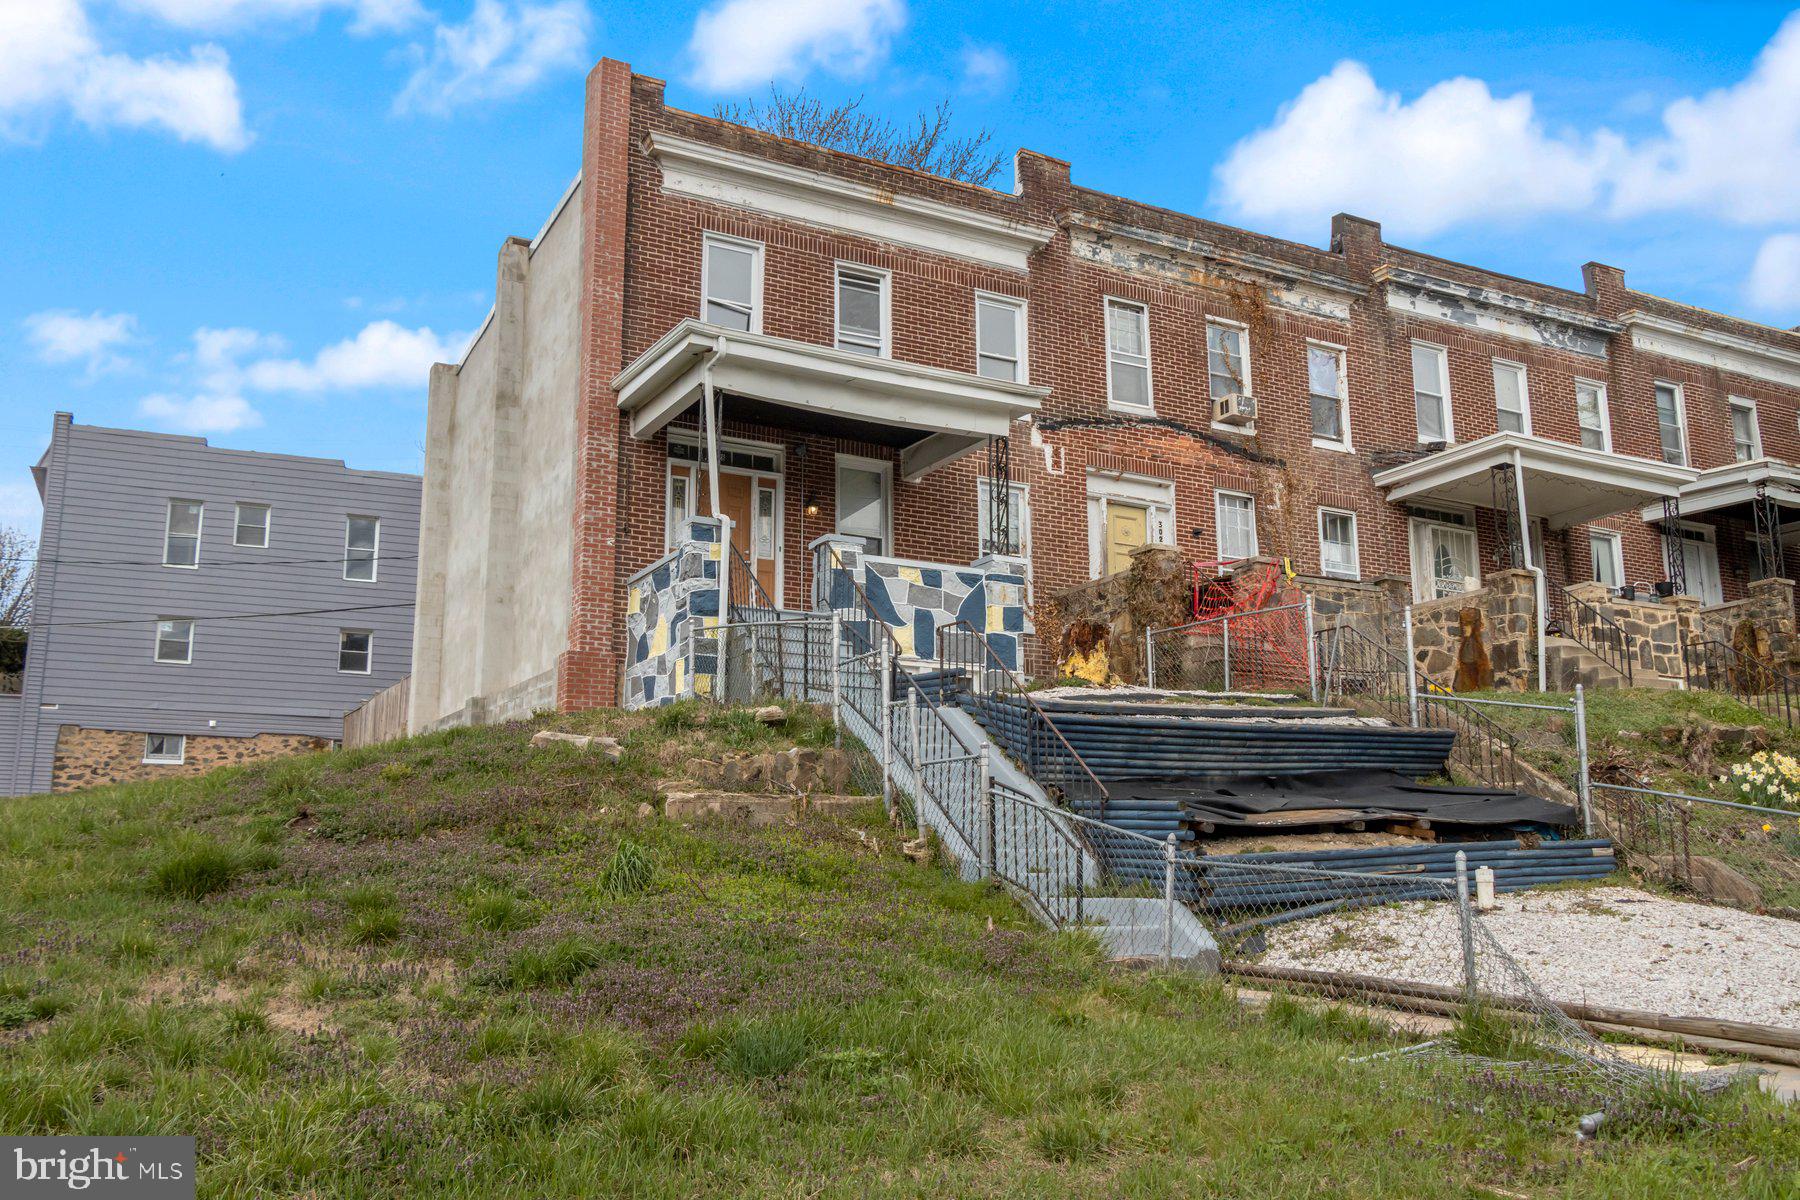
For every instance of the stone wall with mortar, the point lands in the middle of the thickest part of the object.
(1099, 626)
(1482, 638)
(91, 757)
(1651, 631)
(1760, 625)
(916, 600)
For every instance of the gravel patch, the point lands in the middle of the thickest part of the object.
(1609, 945)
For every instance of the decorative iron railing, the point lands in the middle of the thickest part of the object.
(1764, 686)
(1589, 628)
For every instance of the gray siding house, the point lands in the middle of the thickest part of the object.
(196, 606)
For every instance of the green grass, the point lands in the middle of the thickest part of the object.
(458, 967)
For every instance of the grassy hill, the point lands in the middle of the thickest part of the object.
(460, 966)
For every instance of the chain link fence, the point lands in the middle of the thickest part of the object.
(1682, 841)
(1263, 650)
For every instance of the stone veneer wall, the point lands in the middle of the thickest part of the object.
(1761, 624)
(915, 600)
(1652, 630)
(1500, 618)
(91, 757)
(1100, 624)
(664, 601)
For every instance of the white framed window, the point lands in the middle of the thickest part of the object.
(1512, 399)
(1127, 355)
(731, 283)
(1236, 515)
(1746, 437)
(680, 506)
(251, 528)
(165, 749)
(1671, 422)
(863, 310)
(1328, 396)
(174, 640)
(1018, 518)
(1592, 415)
(1227, 359)
(1000, 338)
(356, 651)
(1431, 393)
(864, 495)
(181, 533)
(1608, 555)
(1445, 553)
(1339, 556)
(362, 548)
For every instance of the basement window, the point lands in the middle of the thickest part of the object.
(1338, 556)
(165, 749)
(356, 651)
(1236, 515)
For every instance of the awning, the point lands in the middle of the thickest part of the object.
(939, 415)
(1564, 484)
(1729, 486)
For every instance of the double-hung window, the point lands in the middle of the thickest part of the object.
(174, 640)
(356, 651)
(362, 546)
(165, 749)
(1018, 519)
(1325, 390)
(862, 502)
(251, 527)
(181, 533)
(1431, 393)
(1000, 338)
(731, 284)
(1512, 403)
(1608, 558)
(1591, 415)
(1127, 354)
(1338, 555)
(1746, 438)
(1671, 423)
(862, 310)
(1227, 360)
(1236, 514)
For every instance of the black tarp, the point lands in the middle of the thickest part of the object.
(1339, 797)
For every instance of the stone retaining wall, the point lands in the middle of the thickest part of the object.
(91, 757)
(1486, 638)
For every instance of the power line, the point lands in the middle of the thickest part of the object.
(147, 562)
(250, 616)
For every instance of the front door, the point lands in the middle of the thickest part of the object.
(1700, 555)
(750, 500)
(1127, 528)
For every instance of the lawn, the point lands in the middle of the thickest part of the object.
(459, 966)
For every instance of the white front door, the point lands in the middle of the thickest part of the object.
(1700, 557)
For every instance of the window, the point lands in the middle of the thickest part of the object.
(362, 543)
(1237, 525)
(1512, 406)
(1000, 338)
(1671, 423)
(681, 506)
(731, 284)
(167, 749)
(1445, 554)
(765, 523)
(1325, 385)
(862, 311)
(1591, 414)
(1338, 556)
(1608, 557)
(1018, 519)
(1127, 354)
(1746, 438)
(252, 526)
(175, 640)
(181, 533)
(1227, 360)
(862, 502)
(1431, 393)
(356, 651)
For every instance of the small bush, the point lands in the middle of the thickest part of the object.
(758, 1049)
(561, 962)
(1071, 1137)
(499, 912)
(196, 869)
(376, 926)
(631, 870)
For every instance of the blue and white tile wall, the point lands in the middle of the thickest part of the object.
(671, 620)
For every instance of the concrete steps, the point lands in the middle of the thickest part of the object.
(1567, 663)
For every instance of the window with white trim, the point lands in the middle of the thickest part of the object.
(1018, 518)
(862, 502)
(181, 533)
(1236, 515)
(1608, 557)
(1431, 393)
(356, 651)
(1671, 422)
(862, 310)
(1227, 360)
(1746, 438)
(1127, 354)
(731, 283)
(251, 528)
(1512, 402)
(1325, 389)
(1339, 556)
(1592, 416)
(362, 547)
(1000, 338)
(165, 749)
(174, 640)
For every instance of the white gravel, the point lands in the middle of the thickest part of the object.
(1610, 945)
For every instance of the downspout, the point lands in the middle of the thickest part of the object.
(1537, 572)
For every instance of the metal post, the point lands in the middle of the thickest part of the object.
(1581, 753)
(1412, 670)
(1149, 658)
(1466, 920)
(837, 685)
(918, 768)
(1312, 654)
(986, 785)
(1168, 949)
(884, 712)
(1226, 642)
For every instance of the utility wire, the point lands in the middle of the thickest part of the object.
(249, 616)
(147, 562)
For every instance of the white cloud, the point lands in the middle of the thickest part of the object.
(382, 355)
(367, 16)
(50, 62)
(747, 43)
(1774, 281)
(20, 507)
(200, 414)
(92, 339)
(986, 70)
(499, 52)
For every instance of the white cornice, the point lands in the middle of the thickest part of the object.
(1492, 310)
(1205, 248)
(1713, 348)
(708, 172)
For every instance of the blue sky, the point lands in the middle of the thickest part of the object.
(261, 220)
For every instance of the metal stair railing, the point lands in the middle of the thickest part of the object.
(1590, 629)
(1770, 689)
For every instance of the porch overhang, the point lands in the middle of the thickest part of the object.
(1563, 483)
(942, 415)
(1736, 484)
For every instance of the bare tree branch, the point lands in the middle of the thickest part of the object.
(926, 144)
(18, 566)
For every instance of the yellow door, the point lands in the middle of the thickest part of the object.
(1127, 528)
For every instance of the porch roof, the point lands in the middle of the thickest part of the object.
(1566, 484)
(1735, 484)
(939, 415)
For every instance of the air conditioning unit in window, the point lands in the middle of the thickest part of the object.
(1234, 410)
